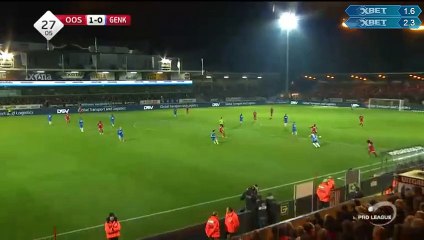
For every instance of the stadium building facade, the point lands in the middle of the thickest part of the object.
(31, 74)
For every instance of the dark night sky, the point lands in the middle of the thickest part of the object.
(231, 36)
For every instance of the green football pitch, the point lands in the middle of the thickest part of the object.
(168, 174)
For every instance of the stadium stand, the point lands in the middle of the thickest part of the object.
(341, 222)
(402, 88)
(30, 62)
(338, 223)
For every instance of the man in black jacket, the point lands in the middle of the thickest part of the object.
(262, 213)
(250, 195)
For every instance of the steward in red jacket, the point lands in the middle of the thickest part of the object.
(112, 227)
(324, 192)
(212, 227)
(231, 222)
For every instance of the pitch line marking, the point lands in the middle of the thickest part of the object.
(197, 204)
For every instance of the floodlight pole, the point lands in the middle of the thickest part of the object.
(63, 63)
(287, 63)
(202, 66)
(126, 64)
(288, 21)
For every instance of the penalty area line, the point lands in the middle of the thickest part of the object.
(198, 204)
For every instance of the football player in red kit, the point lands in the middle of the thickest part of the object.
(222, 131)
(100, 127)
(254, 115)
(371, 148)
(361, 120)
(314, 129)
(67, 118)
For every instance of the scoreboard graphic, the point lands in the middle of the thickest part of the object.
(383, 16)
(95, 20)
(49, 24)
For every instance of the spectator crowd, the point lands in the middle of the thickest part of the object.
(344, 224)
(414, 91)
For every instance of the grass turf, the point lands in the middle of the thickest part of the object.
(57, 176)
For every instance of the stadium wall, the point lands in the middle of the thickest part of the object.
(107, 107)
(196, 232)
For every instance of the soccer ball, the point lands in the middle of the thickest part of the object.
(319, 136)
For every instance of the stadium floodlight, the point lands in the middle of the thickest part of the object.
(306, 76)
(133, 72)
(40, 72)
(344, 25)
(2, 71)
(208, 76)
(6, 56)
(165, 60)
(226, 77)
(288, 21)
(74, 72)
(105, 72)
(159, 72)
(420, 28)
(259, 77)
(244, 77)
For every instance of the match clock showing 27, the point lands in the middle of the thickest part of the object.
(48, 25)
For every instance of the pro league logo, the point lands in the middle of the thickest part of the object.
(379, 214)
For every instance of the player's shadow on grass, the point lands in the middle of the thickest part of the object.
(224, 141)
(235, 127)
(130, 139)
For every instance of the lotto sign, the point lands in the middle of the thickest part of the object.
(48, 25)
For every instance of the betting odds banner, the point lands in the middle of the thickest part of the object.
(383, 17)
